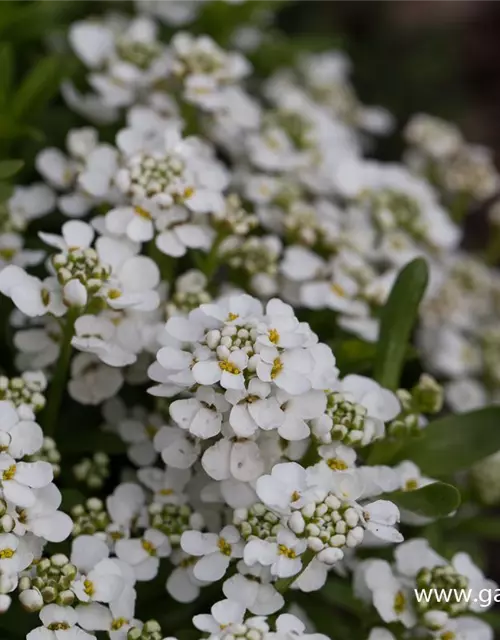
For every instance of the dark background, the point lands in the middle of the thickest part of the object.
(437, 56)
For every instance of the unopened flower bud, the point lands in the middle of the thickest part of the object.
(66, 598)
(31, 600)
(7, 523)
(74, 294)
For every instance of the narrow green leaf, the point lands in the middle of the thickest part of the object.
(455, 442)
(39, 86)
(435, 500)
(398, 318)
(9, 168)
(6, 72)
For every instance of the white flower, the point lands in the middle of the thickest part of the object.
(223, 614)
(253, 409)
(201, 415)
(283, 556)
(102, 584)
(15, 556)
(217, 551)
(58, 622)
(43, 518)
(143, 554)
(176, 448)
(391, 597)
(289, 371)
(31, 295)
(167, 485)
(240, 460)
(379, 518)
(251, 587)
(125, 503)
(18, 437)
(99, 336)
(92, 381)
(116, 618)
(285, 488)
(18, 479)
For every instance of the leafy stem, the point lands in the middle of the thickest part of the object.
(58, 382)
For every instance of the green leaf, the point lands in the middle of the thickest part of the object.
(435, 500)
(9, 168)
(485, 527)
(398, 318)
(455, 442)
(6, 190)
(7, 72)
(39, 86)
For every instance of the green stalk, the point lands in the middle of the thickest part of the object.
(58, 382)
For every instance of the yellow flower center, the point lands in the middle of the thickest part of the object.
(277, 368)
(338, 289)
(411, 485)
(118, 623)
(142, 213)
(287, 552)
(7, 254)
(88, 587)
(448, 635)
(295, 496)
(5, 554)
(232, 316)
(58, 626)
(274, 336)
(399, 602)
(151, 430)
(224, 546)
(166, 492)
(188, 192)
(148, 547)
(336, 464)
(114, 294)
(45, 295)
(229, 367)
(10, 472)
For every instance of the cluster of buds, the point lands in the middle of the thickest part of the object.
(139, 53)
(426, 397)
(173, 519)
(328, 525)
(51, 583)
(254, 255)
(234, 219)
(156, 175)
(344, 421)
(93, 471)
(83, 265)
(393, 210)
(25, 390)
(432, 581)
(7, 522)
(89, 518)
(151, 630)
(257, 521)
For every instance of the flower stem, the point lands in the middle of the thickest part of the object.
(58, 382)
(284, 583)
